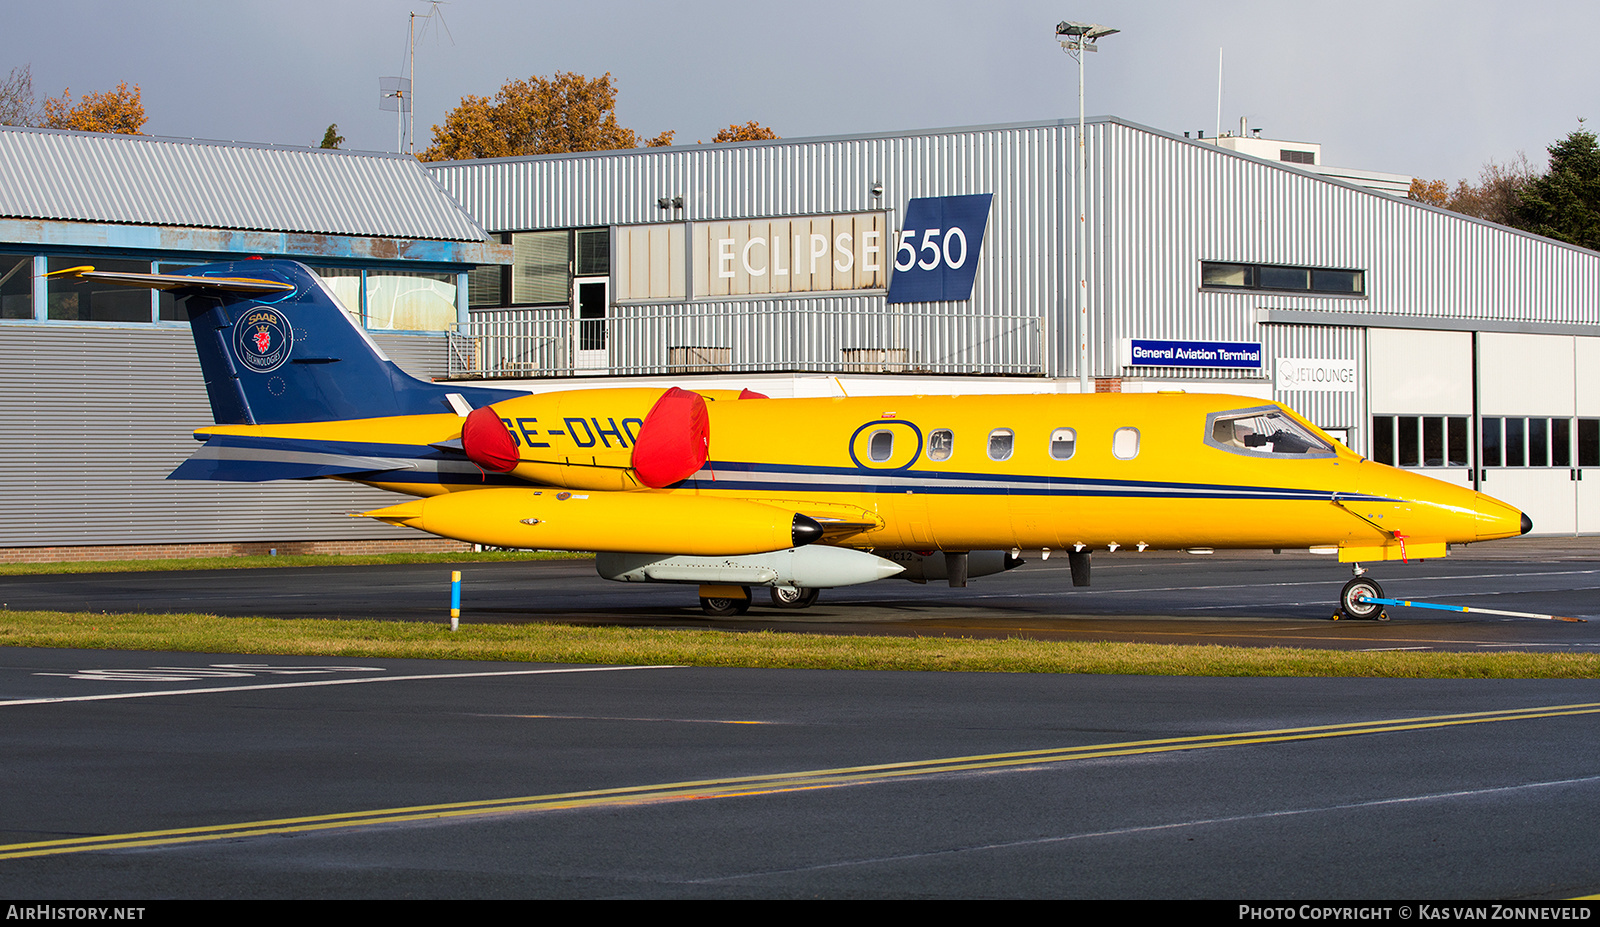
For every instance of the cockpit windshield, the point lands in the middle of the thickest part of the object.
(1266, 431)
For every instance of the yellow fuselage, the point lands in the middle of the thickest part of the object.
(924, 473)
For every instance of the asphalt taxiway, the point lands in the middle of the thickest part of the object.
(1248, 599)
(149, 775)
(135, 775)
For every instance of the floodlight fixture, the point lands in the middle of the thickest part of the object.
(1080, 37)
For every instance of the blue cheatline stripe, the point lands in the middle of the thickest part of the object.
(778, 478)
(849, 479)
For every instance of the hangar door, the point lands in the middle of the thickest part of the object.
(1539, 402)
(1420, 394)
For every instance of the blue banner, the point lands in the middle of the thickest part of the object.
(1149, 352)
(936, 256)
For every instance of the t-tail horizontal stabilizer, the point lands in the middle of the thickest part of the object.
(250, 459)
(276, 347)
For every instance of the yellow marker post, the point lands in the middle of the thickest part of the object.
(455, 600)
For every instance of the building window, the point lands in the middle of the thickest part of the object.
(1422, 440)
(16, 286)
(544, 263)
(1589, 442)
(591, 249)
(74, 300)
(344, 283)
(541, 268)
(167, 308)
(1539, 442)
(485, 286)
(410, 302)
(1322, 281)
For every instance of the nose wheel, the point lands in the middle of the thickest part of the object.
(1351, 606)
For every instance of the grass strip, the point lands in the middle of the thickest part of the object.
(557, 643)
(266, 562)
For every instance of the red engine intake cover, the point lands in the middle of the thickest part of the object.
(674, 439)
(486, 441)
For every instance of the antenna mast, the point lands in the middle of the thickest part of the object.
(411, 78)
(395, 92)
(1219, 93)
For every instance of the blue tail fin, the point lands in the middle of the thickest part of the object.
(296, 356)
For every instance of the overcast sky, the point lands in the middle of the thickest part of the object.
(1432, 89)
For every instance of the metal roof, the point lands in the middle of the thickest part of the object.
(145, 180)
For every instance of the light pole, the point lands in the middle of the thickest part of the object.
(1077, 38)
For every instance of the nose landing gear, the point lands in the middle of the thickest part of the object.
(1350, 599)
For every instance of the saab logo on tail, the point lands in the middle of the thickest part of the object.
(262, 339)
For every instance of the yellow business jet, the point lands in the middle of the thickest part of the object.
(730, 491)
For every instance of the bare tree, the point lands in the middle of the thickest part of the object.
(1494, 197)
(17, 104)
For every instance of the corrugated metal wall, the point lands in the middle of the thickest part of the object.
(1177, 203)
(92, 421)
(1018, 283)
(1158, 206)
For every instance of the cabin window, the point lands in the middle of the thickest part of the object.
(1267, 431)
(1000, 444)
(941, 442)
(1125, 443)
(1063, 442)
(880, 446)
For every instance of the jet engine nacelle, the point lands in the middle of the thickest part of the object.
(802, 567)
(921, 567)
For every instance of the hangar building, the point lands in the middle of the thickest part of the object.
(938, 261)
(99, 386)
(1421, 337)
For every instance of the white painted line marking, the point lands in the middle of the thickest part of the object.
(1151, 828)
(320, 682)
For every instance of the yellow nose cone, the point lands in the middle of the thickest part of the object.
(1496, 519)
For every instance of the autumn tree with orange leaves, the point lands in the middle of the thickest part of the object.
(751, 131)
(118, 110)
(1494, 197)
(564, 113)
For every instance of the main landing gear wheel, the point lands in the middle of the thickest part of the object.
(721, 607)
(1351, 606)
(793, 597)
